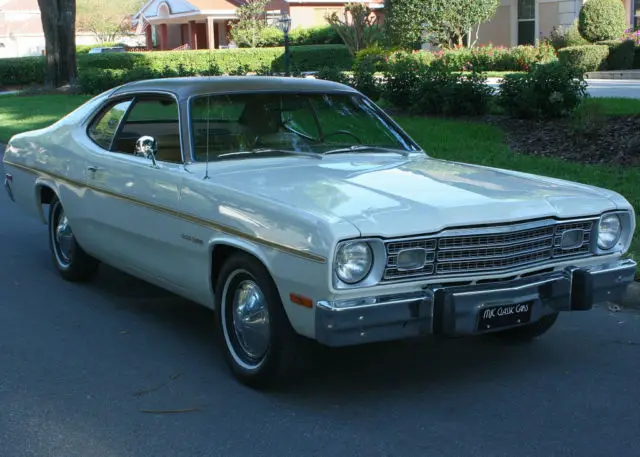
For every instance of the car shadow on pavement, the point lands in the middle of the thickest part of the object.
(339, 375)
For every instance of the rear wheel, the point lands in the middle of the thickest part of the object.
(260, 346)
(527, 332)
(70, 260)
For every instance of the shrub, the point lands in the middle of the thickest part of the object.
(271, 36)
(591, 57)
(403, 76)
(373, 56)
(601, 20)
(335, 74)
(118, 68)
(621, 54)
(490, 58)
(21, 71)
(452, 94)
(636, 60)
(314, 35)
(364, 78)
(548, 91)
(525, 57)
(302, 57)
(560, 38)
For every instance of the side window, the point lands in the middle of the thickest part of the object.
(156, 116)
(103, 129)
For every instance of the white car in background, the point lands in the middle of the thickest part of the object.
(298, 210)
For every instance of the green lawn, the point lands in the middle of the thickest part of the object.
(443, 138)
(18, 114)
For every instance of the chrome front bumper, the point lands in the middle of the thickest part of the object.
(457, 310)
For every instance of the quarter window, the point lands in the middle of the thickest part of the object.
(103, 130)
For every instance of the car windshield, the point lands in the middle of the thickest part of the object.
(311, 124)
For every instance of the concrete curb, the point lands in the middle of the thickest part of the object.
(621, 74)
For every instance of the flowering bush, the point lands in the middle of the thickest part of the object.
(631, 34)
(490, 58)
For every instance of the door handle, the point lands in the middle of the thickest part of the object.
(92, 168)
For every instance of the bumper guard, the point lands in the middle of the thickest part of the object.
(460, 310)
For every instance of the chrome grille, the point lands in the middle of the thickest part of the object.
(507, 248)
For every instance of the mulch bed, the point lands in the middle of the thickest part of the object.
(601, 140)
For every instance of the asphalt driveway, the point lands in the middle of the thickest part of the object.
(118, 368)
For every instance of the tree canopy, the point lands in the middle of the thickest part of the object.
(442, 23)
(107, 19)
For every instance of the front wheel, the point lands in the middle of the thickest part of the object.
(527, 332)
(71, 261)
(260, 345)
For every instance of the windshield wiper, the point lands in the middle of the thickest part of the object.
(267, 150)
(364, 147)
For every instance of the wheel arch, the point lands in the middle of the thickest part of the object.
(45, 191)
(223, 249)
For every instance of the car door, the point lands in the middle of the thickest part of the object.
(133, 201)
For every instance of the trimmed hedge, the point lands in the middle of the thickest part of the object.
(98, 72)
(621, 54)
(301, 36)
(591, 57)
(30, 70)
(21, 71)
(601, 20)
(636, 60)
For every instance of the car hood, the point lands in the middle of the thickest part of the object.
(395, 197)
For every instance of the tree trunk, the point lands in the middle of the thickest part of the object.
(59, 25)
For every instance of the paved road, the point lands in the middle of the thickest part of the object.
(80, 362)
(604, 87)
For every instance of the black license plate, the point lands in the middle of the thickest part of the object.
(493, 317)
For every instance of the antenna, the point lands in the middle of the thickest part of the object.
(206, 166)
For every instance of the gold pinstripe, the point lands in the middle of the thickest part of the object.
(180, 215)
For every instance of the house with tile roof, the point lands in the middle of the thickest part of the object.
(205, 24)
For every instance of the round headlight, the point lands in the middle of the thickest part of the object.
(353, 261)
(609, 231)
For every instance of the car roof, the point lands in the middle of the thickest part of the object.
(184, 87)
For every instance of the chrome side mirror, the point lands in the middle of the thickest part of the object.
(146, 146)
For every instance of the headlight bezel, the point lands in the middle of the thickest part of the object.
(376, 267)
(623, 240)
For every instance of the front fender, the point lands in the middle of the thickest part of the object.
(290, 273)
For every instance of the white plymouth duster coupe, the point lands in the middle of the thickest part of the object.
(299, 211)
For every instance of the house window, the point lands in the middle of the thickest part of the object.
(526, 22)
(320, 14)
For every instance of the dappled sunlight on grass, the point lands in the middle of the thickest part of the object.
(19, 114)
(612, 106)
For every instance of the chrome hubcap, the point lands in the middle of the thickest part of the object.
(251, 319)
(64, 237)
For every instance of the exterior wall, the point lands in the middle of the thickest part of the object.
(498, 30)
(311, 15)
(174, 36)
(568, 11)
(548, 17)
(34, 45)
